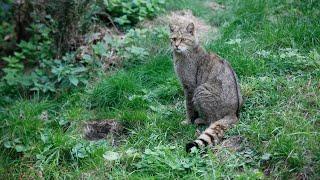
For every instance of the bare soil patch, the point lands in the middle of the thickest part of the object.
(109, 129)
(182, 18)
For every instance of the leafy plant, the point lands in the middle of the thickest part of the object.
(138, 44)
(38, 50)
(15, 144)
(129, 12)
(36, 69)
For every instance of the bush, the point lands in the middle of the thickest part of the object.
(35, 67)
(127, 12)
(48, 59)
(6, 29)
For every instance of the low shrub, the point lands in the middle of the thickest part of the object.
(127, 12)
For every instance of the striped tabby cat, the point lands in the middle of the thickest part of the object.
(210, 85)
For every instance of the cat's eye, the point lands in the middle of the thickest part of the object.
(173, 39)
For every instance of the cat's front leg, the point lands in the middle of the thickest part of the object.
(192, 114)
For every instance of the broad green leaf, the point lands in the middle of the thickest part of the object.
(100, 49)
(266, 156)
(20, 148)
(73, 80)
(7, 144)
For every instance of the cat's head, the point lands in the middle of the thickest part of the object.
(183, 39)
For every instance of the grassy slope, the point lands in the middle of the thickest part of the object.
(280, 119)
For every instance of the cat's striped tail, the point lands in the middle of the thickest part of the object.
(213, 134)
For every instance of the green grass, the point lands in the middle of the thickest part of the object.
(279, 121)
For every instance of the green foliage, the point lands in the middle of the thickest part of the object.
(37, 50)
(6, 28)
(15, 144)
(36, 69)
(138, 44)
(5, 7)
(72, 19)
(49, 142)
(130, 12)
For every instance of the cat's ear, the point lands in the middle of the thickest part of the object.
(190, 28)
(171, 28)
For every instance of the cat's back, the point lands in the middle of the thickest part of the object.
(210, 66)
(218, 73)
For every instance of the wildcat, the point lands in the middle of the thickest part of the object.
(210, 86)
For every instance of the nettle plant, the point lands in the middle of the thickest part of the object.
(20, 70)
(128, 12)
(35, 68)
(138, 44)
